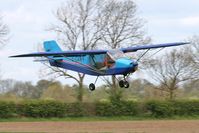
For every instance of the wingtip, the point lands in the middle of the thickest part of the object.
(15, 56)
(185, 42)
(11, 56)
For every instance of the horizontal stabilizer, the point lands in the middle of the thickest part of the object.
(42, 60)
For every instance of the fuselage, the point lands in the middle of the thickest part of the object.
(121, 66)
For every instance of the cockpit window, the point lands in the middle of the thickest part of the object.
(116, 54)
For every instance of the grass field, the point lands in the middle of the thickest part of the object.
(83, 119)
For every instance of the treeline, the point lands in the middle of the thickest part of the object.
(149, 109)
(44, 89)
(139, 90)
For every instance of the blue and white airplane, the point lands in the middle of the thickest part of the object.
(96, 62)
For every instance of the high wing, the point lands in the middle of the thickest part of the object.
(152, 46)
(64, 53)
(95, 52)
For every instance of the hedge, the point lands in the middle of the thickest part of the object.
(43, 108)
(80, 109)
(40, 108)
(7, 109)
(120, 108)
(186, 108)
(160, 108)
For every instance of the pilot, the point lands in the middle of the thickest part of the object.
(108, 62)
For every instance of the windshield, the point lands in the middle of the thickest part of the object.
(116, 54)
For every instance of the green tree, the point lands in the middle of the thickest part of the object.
(23, 89)
(59, 92)
(139, 89)
(191, 89)
(41, 86)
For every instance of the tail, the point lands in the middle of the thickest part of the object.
(51, 46)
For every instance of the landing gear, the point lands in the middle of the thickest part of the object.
(124, 84)
(121, 83)
(92, 85)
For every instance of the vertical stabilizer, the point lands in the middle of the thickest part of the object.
(51, 46)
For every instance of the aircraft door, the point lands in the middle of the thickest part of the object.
(108, 62)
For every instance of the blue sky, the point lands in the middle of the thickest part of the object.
(166, 21)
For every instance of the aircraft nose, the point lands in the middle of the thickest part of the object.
(134, 66)
(134, 63)
(126, 63)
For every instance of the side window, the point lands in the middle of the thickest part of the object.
(101, 61)
(98, 61)
(108, 61)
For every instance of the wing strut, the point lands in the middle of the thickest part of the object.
(143, 55)
(146, 53)
(156, 52)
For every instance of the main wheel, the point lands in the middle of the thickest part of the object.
(92, 87)
(121, 83)
(126, 84)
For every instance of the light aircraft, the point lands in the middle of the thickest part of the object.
(96, 62)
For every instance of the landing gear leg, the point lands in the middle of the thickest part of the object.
(92, 85)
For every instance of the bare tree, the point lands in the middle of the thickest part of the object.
(6, 85)
(77, 28)
(88, 24)
(122, 28)
(4, 30)
(193, 48)
(194, 40)
(172, 70)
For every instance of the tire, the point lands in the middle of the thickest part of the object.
(126, 84)
(121, 83)
(91, 87)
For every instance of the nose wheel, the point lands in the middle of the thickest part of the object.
(124, 84)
